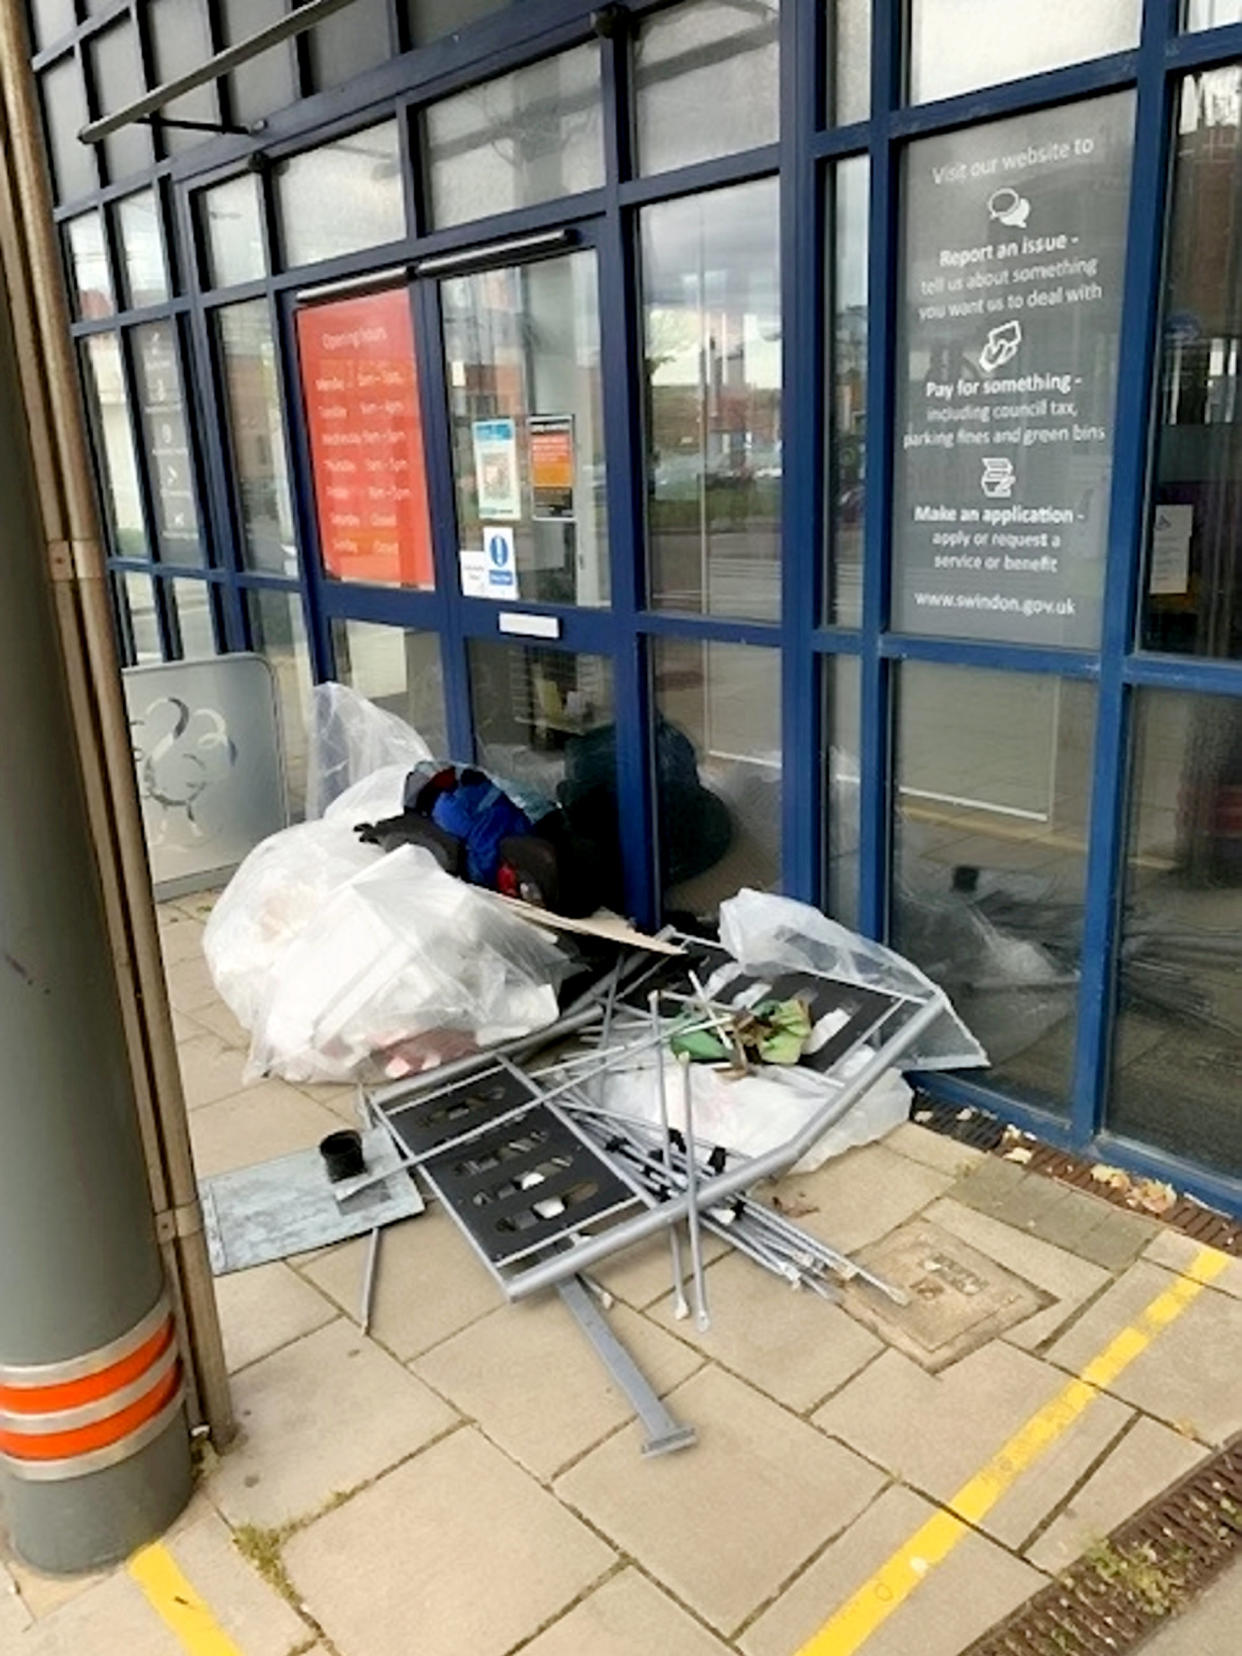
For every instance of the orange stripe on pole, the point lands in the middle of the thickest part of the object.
(100, 1434)
(91, 1388)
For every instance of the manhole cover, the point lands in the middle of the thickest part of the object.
(958, 1297)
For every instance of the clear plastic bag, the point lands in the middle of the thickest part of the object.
(399, 954)
(765, 933)
(351, 740)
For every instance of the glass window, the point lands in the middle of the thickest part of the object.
(1008, 339)
(849, 60)
(842, 680)
(108, 407)
(349, 44)
(718, 771)
(545, 722)
(957, 45)
(142, 249)
(428, 20)
(522, 349)
(527, 137)
(278, 633)
(989, 860)
(161, 405)
(1212, 14)
(88, 261)
(144, 627)
(256, 430)
(53, 20)
(74, 172)
(194, 609)
(364, 420)
(706, 82)
(117, 70)
(712, 319)
(342, 197)
(180, 42)
(1192, 601)
(400, 670)
(231, 221)
(267, 82)
(846, 468)
(1177, 1052)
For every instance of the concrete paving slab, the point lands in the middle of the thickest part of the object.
(724, 1524)
(15, 1615)
(957, 1601)
(627, 1616)
(935, 1431)
(1116, 1239)
(1188, 1375)
(318, 1417)
(1070, 1281)
(860, 1196)
(527, 1375)
(1209, 1627)
(788, 1343)
(217, 1017)
(457, 1551)
(1147, 1460)
(184, 1027)
(210, 1069)
(428, 1285)
(1177, 1253)
(265, 1308)
(642, 1276)
(268, 1120)
(181, 937)
(934, 1150)
(990, 1187)
(112, 1619)
(190, 984)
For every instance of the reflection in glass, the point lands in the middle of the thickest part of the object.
(706, 82)
(842, 679)
(521, 347)
(267, 82)
(232, 218)
(181, 41)
(53, 20)
(74, 172)
(847, 386)
(718, 770)
(1212, 14)
(161, 407)
(994, 781)
(108, 408)
(342, 197)
(144, 628)
(849, 60)
(88, 262)
(545, 721)
(957, 45)
(278, 633)
(428, 20)
(349, 44)
(116, 69)
(1008, 344)
(1177, 1052)
(712, 319)
(523, 138)
(1193, 591)
(256, 431)
(193, 607)
(399, 669)
(142, 249)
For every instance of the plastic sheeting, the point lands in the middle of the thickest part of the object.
(351, 739)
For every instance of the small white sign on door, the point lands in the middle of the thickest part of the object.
(502, 578)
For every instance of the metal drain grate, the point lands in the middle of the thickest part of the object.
(981, 1131)
(1147, 1570)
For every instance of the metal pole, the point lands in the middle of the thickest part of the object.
(94, 1441)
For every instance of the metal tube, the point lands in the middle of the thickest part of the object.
(680, 1308)
(81, 1281)
(284, 28)
(701, 1316)
(735, 1179)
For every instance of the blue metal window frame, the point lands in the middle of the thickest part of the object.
(803, 159)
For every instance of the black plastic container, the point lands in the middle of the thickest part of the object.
(342, 1154)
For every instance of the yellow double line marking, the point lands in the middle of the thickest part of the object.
(892, 1584)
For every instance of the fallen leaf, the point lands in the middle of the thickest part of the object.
(1154, 1197)
(1113, 1177)
(1019, 1153)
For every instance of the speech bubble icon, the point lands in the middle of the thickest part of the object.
(1006, 206)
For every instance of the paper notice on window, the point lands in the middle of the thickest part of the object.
(496, 469)
(1170, 549)
(473, 568)
(552, 465)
